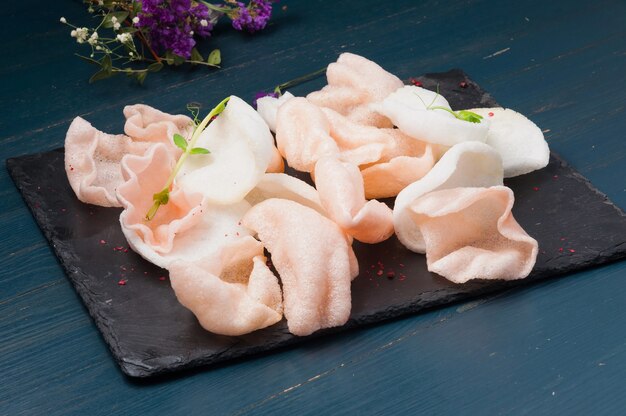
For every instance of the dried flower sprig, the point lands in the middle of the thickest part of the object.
(189, 148)
(143, 36)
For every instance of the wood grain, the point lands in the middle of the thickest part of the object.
(560, 347)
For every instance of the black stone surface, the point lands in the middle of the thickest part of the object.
(150, 333)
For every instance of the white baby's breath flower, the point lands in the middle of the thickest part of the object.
(62, 20)
(204, 23)
(136, 19)
(191, 33)
(124, 37)
(80, 34)
(100, 2)
(93, 39)
(116, 26)
(98, 48)
(113, 19)
(73, 33)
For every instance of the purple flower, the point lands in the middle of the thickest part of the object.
(171, 25)
(262, 94)
(252, 17)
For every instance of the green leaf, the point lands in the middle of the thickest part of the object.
(162, 198)
(155, 67)
(199, 151)
(180, 141)
(106, 64)
(172, 59)
(470, 116)
(196, 56)
(215, 57)
(102, 74)
(141, 77)
(128, 29)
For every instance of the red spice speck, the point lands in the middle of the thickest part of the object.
(391, 275)
(535, 188)
(463, 84)
(123, 268)
(103, 242)
(562, 238)
(571, 250)
(237, 233)
(401, 264)
(561, 249)
(402, 277)
(490, 114)
(162, 278)
(379, 273)
(415, 82)
(122, 282)
(71, 167)
(372, 266)
(556, 177)
(146, 273)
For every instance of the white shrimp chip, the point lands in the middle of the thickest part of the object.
(230, 293)
(92, 162)
(145, 123)
(302, 134)
(341, 191)
(353, 83)
(410, 114)
(281, 185)
(470, 233)
(186, 228)
(267, 107)
(518, 140)
(470, 164)
(314, 260)
(241, 147)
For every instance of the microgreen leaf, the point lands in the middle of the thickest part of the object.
(215, 57)
(180, 141)
(102, 74)
(196, 56)
(199, 151)
(141, 77)
(106, 63)
(468, 116)
(162, 197)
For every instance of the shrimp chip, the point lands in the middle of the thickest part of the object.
(340, 187)
(241, 148)
(280, 185)
(231, 293)
(518, 140)
(470, 164)
(92, 162)
(470, 233)
(302, 134)
(144, 123)
(314, 260)
(186, 228)
(267, 107)
(385, 180)
(277, 164)
(423, 115)
(353, 83)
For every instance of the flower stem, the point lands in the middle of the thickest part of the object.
(279, 88)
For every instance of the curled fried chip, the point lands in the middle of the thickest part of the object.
(340, 187)
(283, 186)
(277, 164)
(144, 123)
(353, 83)
(231, 293)
(414, 116)
(314, 260)
(92, 162)
(518, 140)
(388, 179)
(241, 147)
(302, 134)
(186, 228)
(470, 164)
(268, 106)
(470, 233)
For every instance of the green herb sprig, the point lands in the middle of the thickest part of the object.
(189, 148)
(463, 115)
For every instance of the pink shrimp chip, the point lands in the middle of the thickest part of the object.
(92, 162)
(144, 176)
(385, 180)
(144, 123)
(314, 260)
(340, 187)
(232, 293)
(355, 82)
(470, 233)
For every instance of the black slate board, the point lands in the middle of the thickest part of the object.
(150, 333)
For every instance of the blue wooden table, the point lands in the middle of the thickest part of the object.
(557, 347)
